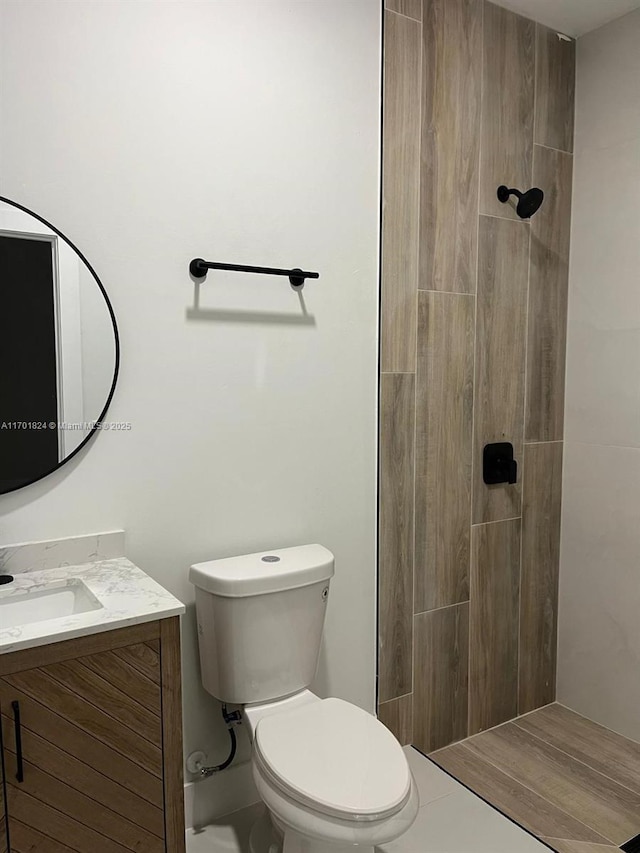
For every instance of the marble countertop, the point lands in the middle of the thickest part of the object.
(128, 597)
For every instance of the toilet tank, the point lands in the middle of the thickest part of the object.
(260, 620)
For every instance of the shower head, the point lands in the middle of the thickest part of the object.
(528, 203)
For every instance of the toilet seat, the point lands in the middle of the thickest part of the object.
(334, 758)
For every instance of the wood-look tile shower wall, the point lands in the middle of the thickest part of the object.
(473, 321)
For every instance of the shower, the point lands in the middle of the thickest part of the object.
(529, 202)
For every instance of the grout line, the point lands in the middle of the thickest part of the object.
(523, 475)
(397, 373)
(578, 761)
(395, 698)
(551, 148)
(497, 521)
(380, 259)
(516, 219)
(444, 607)
(533, 443)
(403, 15)
(483, 799)
(445, 292)
(595, 722)
(473, 376)
(415, 381)
(509, 775)
(492, 728)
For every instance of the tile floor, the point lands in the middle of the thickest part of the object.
(569, 781)
(451, 820)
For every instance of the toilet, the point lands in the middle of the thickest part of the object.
(331, 775)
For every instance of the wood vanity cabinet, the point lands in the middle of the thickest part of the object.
(92, 744)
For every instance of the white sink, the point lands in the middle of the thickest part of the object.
(57, 601)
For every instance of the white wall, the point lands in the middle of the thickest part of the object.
(154, 132)
(599, 653)
(98, 347)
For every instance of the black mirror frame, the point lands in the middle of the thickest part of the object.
(116, 369)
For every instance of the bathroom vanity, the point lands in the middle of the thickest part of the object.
(90, 702)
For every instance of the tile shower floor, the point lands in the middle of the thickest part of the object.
(569, 781)
(451, 820)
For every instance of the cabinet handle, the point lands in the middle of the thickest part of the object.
(18, 731)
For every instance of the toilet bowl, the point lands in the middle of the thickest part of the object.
(330, 774)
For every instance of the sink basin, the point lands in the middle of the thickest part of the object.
(61, 599)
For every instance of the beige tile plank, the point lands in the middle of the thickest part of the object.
(564, 845)
(401, 189)
(452, 57)
(410, 8)
(548, 288)
(493, 656)
(542, 503)
(607, 752)
(507, 107)
(395, 582)
(590, 797)
(555, 89)
(527, 808)
(503, 271)
(444, 416)
(441, 677)
(397, 715)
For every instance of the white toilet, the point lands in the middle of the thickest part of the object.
(331, 775)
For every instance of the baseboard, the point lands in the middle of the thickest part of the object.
(225, 792)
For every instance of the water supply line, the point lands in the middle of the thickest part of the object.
(231, 719)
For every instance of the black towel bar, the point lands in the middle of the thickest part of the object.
(198, 269)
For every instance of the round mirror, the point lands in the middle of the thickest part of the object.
(59, 348)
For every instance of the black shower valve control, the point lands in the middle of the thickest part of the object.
(498, 464)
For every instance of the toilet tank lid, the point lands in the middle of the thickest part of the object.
(265, 571)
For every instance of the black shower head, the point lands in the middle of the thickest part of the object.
(528, 203)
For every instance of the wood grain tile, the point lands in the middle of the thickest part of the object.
(503, 271)
(555, 89)
(397, 403)
(539, 575)
(608, 808)
(548, 286)
(507, 106)
(401, 188)
(410, 8)
(493, 656)
(397, 715)
(605, 751)
(444, 412)
(441, 677)
(452, 57)
(527, 808)
(562, 845)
